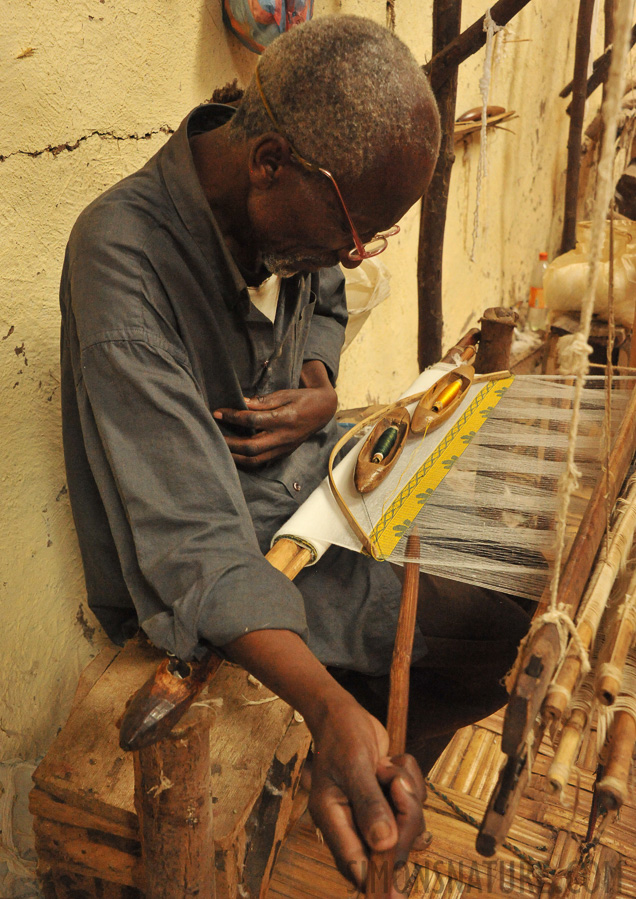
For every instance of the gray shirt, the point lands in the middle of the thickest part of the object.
(157, 332)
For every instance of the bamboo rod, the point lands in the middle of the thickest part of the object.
(380, 874)
(595, 602)
(289, 557)
(567, 751)
(613, 788)
(610, 675)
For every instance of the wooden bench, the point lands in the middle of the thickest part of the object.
(85, 819)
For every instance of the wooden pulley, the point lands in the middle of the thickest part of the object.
(442, 399)
(381, 449)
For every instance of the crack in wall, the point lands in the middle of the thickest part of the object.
(104, 135)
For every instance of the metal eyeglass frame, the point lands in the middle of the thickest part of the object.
(361, 250)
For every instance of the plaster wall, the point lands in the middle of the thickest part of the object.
(91, 88)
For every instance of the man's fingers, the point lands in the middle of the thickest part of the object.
(406, 790)
(332, 814)
(253, 462)
(373, 814)
(270, 400)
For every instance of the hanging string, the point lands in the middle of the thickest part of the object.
(491, 28)
(390, 15)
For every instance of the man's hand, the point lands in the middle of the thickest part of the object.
(281, 420)
(351, 774)
(361, 800)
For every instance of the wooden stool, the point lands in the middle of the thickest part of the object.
(85, 818)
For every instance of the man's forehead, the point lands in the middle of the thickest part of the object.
(391, 188)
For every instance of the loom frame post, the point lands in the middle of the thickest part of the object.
(577, 114)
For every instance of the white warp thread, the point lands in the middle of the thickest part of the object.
(491, 28)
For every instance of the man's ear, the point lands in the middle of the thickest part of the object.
(269, 156)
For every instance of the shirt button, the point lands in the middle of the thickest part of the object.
(297, 487)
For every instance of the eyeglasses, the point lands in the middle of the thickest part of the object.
(378, 242)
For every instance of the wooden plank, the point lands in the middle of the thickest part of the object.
(43, 805)
(267, 825)
(238, 776)
(89, 853)
(85, 766)
(93, 671)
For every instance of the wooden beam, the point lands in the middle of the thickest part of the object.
(446, 26)
(581, 59)
(447, 58)
(174, 804)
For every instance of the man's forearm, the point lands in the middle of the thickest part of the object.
(282, 661)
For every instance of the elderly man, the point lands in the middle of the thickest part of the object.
(203, 317)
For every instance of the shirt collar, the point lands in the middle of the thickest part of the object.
(182, 182)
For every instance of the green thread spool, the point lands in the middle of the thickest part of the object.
(384, 444)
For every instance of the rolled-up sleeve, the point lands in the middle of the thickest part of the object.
(183, 532)
(327, 329)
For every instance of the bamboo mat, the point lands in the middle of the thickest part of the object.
(545, 831)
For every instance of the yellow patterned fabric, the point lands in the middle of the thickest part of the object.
(400, 515)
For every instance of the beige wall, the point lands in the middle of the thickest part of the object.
(105, 82)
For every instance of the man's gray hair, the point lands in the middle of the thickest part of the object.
(343, 90)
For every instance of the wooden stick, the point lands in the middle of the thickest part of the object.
(445, 61)
(613, 788)
(174, 804)
(581, 59)
(380, 874)
(600, 68)
(446, 27)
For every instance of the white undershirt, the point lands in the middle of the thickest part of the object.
(265, 296)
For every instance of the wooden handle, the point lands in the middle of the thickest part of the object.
(505, 799)
(380, 873)
(537, 667)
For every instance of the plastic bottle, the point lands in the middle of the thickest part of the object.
(537, 312)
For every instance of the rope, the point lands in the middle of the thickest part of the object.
(535, 864)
